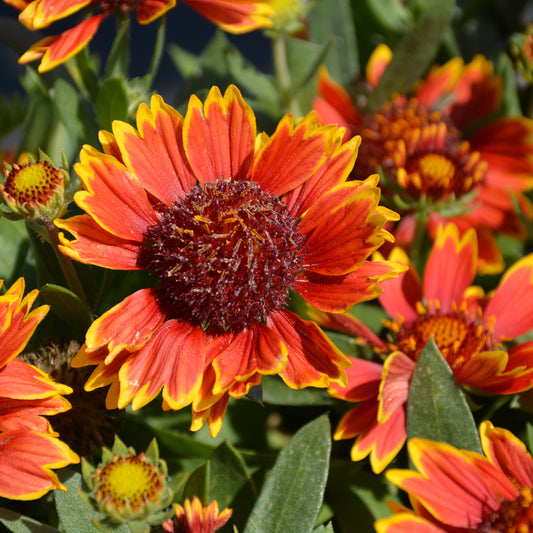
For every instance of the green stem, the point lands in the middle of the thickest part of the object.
(66, 264)
(283, 75)
(415, 252)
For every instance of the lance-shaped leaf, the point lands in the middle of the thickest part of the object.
(437, 408)
(414, 53)
(293, 490)
(18, 523)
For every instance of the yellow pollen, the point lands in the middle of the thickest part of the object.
(32, 183)
(128, 481)
(436, 169)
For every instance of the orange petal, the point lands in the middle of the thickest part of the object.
(363, 381)
(41, 13)
(173, 360)
(406, 523)
(95, 246)
(451, 267)
(128, 325)
(377, 63)
(395, 382)
(237, 17)
(114, 196)
(26, 459)
(340, 293)
(313, 360)
(155, 153)
(149, 11)
(219, 136)
(512, 302)
(238, 356)
(57, 49)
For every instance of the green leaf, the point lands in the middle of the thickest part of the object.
(227, 475)
(292, 493)
(68, 306)
(276, 392)
(414, 53)
(117, 62)
(324, 22)
(111, 102)
(437, 408)
(510, 105)
(15, 246)
(71, 112)
(18, 523)
(391, 15)
(198, 484)
(328, 528)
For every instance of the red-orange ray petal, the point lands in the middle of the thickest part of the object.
(235, 16)
(55, 50)
(504, 450)
(484, 370)
(339, 293)
(451, 267)
(313, 360)
(440, 81)
(476, 93)
(173, 359)
(18, 4)
(213, 415)
(400, 294)
(114, 196)
(41, 13)
(219, 136)
(150, 10)
(128, 325)
(333, 171)
(19, 380)
(456, 486)
(26, 459)
(291, 156)
(377, 63)
(335, 106)
(363, 381)
(95, 246)
(17, 321)
(406, 523)
(382, 441)
(237, 356)
(28, 414)
(511, 304)
(155, 152)
(341, 228)
(396, 379)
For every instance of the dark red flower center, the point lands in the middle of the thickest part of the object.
(514, 516)
(459, 335)
(227, 255)
(126, 6)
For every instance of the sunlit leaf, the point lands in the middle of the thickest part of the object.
(437, 408)
(18, 523)
(292, 493)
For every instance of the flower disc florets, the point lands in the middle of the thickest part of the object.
(458, 334)
(35, 190)
(513, 516)
(227, 255)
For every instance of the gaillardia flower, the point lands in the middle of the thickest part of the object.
(29, 448)
(128, 488)
(468, 327)
(229, 224)
(458, 491)
(236, 16)
(193, 517)
(444, 157)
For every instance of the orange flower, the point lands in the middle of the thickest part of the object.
(236, 16)
(229, 224)
(440, 146)
(29, 448)
(468, 327)
(457, 491)
(193, 517)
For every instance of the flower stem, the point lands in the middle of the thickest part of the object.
(419, 239)
(66, 264)
(283, 75)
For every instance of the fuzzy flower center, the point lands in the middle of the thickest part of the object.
(226, 254)
(458, 335)
(126, 6)
(129, 483)
(513, 516)
(33, 183)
